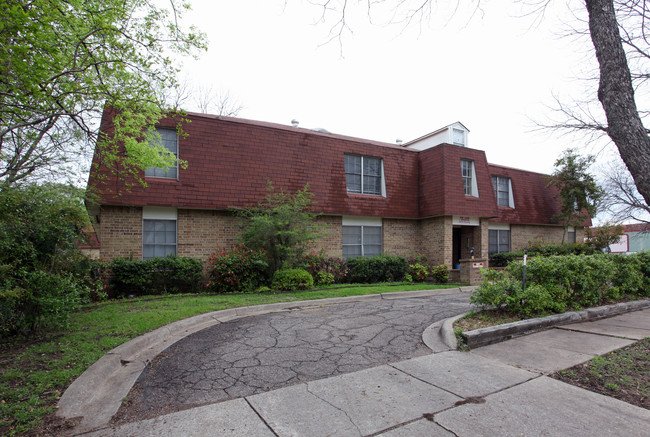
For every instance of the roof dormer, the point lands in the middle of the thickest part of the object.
(455, 133)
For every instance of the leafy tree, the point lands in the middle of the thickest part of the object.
(605, 235)
(63, 61)
(577, 188)
(282, 225)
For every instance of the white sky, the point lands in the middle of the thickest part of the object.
(494, 72)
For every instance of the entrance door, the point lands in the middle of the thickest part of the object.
(457, 245)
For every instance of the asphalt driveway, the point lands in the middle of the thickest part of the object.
(260, 353)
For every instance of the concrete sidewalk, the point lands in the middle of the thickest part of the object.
(499, 389)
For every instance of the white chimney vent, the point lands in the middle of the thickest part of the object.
(398, 142)
(294, 123)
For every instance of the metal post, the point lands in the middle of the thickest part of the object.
(523, 284)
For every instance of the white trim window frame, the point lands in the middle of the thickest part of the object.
(361, 236)
(503, 191)
(159, 232)
(468, 172)
(168, 138)
(498, 238)
(364, 175)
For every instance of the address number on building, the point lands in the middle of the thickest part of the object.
(477, 265)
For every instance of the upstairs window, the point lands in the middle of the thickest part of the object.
(169, 140)
(364, 175)
(469, 177)
(503, 191)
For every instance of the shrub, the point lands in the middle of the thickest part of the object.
(32, 299)
(324, 278)
(292, 279)
(42, 275)
(156, 276)
(644, 268)
(417, 272)
(383, 268)
(555, 283)
(440, 273)
(318, 262)
(237, 269)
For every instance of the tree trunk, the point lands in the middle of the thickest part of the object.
(616, 94)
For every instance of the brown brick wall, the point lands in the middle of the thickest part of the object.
(436, 239)
(401, 237)
(120, 232)
(332, 240)
(200, 232)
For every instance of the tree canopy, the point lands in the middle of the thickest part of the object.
(577, 188)
(283, 225)
(63, 61)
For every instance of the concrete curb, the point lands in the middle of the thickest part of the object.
(97, 394)
(495, 334)
(440, 336)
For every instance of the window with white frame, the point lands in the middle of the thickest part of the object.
(469, 177)
(159, 232)
(458, 137)
(361, 236)
(364, 175)
(503, 191)
(169, 140)
(498, 241)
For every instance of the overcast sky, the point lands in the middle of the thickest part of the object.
(495, 72)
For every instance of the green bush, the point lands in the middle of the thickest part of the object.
(555, 283)
(292, 279)
(318, 262)
(417, 272)
(440, 273)
(237, 269)
(644, 268)
(167, 275)
(42, 274)
(324, 278)
(33, 299)
(539, 248)
(383, 268)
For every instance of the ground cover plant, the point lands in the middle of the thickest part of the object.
(623, 374)
(35, 372)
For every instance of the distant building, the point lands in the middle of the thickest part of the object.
(432, 196)
(636, 238)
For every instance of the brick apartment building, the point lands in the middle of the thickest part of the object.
(433, 196)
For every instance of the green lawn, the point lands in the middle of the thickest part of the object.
(34, 372)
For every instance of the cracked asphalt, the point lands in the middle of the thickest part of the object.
(260, 353)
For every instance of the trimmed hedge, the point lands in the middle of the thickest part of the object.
(556, 283)
(156, 276)
(383, 268)
(502, 259)
(292, 279)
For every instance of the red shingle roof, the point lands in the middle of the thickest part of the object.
(230, 161)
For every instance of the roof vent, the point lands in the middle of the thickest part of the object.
(295, 123)
(398, 142)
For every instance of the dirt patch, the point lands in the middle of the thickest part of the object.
(623, 374)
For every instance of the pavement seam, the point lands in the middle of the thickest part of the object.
(568, 328)
(261, 418)
(333, 406)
